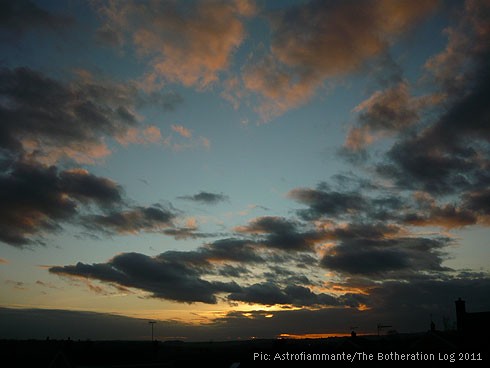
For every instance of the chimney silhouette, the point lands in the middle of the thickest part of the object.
(460, 314)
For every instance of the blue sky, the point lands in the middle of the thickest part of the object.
(220, 165)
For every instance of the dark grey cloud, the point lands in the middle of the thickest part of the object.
(264, 293)
(20, 16)
(150, 219)
(373, 231)
(478, 201)
(380, 251)
(389, 110)
(233, 249)
(60, 114)
(181, 275)
(385, 113)
(179, 233)
(323, 202)
(233, 271)
(422, 163)
(49, 119)
(280, 233)
(447, 216)
(175, 275)
(36, 199)
(206, 197)
(86, 187)
(368, 207)
(450, 153)
(171, 275)
(385, 258)
(48, 122)
(268, 293)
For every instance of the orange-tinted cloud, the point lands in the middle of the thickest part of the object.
(386, 113)
(186, 43)
(81, 153)
(150, 134)
(467, 39)
(319, 40)
(358, 138)
(183, 131)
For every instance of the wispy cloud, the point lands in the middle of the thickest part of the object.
(316, 41)
(206, 197)
(150, 134)
(150, 219)
(185, 43)
(183, 131)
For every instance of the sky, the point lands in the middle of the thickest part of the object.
(242, 169)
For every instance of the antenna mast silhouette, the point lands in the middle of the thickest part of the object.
(152, 323)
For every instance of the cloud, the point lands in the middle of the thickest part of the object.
(267, 293)
(373, 231)
(48, 120)
(233, 271)
(179, 276)
(383, 258)
(132, 221)
(182, 275)
(185, 43)
(183, 131)
(38, 198)
(280, 233)
(466, 49)
(366, 205)
(150, 134)
(320, 40)
(232, 249)
(449, 154)
(172, 275)
(368, 234)
(323, 202)
(479, 203)
(20, 16)
(385, 113)
(16, 285)
(126, 220)
(206, 198)
(405, 306)
(427, 212)
(179, 233)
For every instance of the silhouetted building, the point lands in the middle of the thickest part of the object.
(471, 324)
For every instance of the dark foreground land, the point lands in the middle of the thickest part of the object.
(432, 349)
